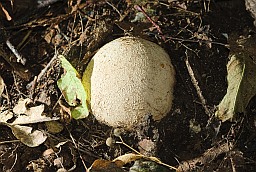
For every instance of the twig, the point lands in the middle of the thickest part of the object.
(7, 15)
(151, 158)
(9, 141)
(232, 164)
(76, 146)
(7, 97)
(20, 59)
(18, 68)
(208, 156)
(196, 41)
(195, 83)
(207, 7)
(24, 40)
(179, 8)
(15, 161)
(114, 9)
(137, 7)
(41, 74)
(80, 148)
(123, 143)
(16, 84)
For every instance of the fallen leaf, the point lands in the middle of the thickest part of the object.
(241, 79)
(5, 115)
(142, 163)
(54, 127)
(26, 115)
(73, 91)
(100, 165)
(21, 106)
(29, 115)
(127, 158)
(27, 136)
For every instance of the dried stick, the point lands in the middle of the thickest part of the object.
(20, 59)
(32, 84)
(114, 8)
(137, 7)
(76, 146)
(198, 90)
(196, 41)
(9, 141)
(206, 158)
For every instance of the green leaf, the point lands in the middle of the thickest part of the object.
(86, 80)
(241, 86)
(73, 90)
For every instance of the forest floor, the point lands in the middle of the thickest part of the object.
(196, 34)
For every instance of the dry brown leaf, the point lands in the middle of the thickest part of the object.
(5, 115)
(127, 158)
(241, 79)
(100, 165)
(30, 115)
(21, 107)
(27, 136)
(26, 115)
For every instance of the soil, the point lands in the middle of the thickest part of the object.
(195, 33)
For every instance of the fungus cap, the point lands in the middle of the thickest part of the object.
(127, 79)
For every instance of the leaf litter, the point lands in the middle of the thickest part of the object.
(73, 90)
(241, 70)
(26, 115)
(177, 144)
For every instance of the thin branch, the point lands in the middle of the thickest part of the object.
(197, 41)
(208, 156)
(76, 146)
(195, 83)
(9, 141)
(137, 7)
(20, 59)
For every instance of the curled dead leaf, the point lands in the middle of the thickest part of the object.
(127, 158)
(27, 136)
(241, 86)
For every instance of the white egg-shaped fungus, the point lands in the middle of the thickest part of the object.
(127, 79)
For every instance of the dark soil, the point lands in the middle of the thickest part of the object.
(195, 31)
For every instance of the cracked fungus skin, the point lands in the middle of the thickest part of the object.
(130, 77)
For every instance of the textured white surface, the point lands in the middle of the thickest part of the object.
(131, 77)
